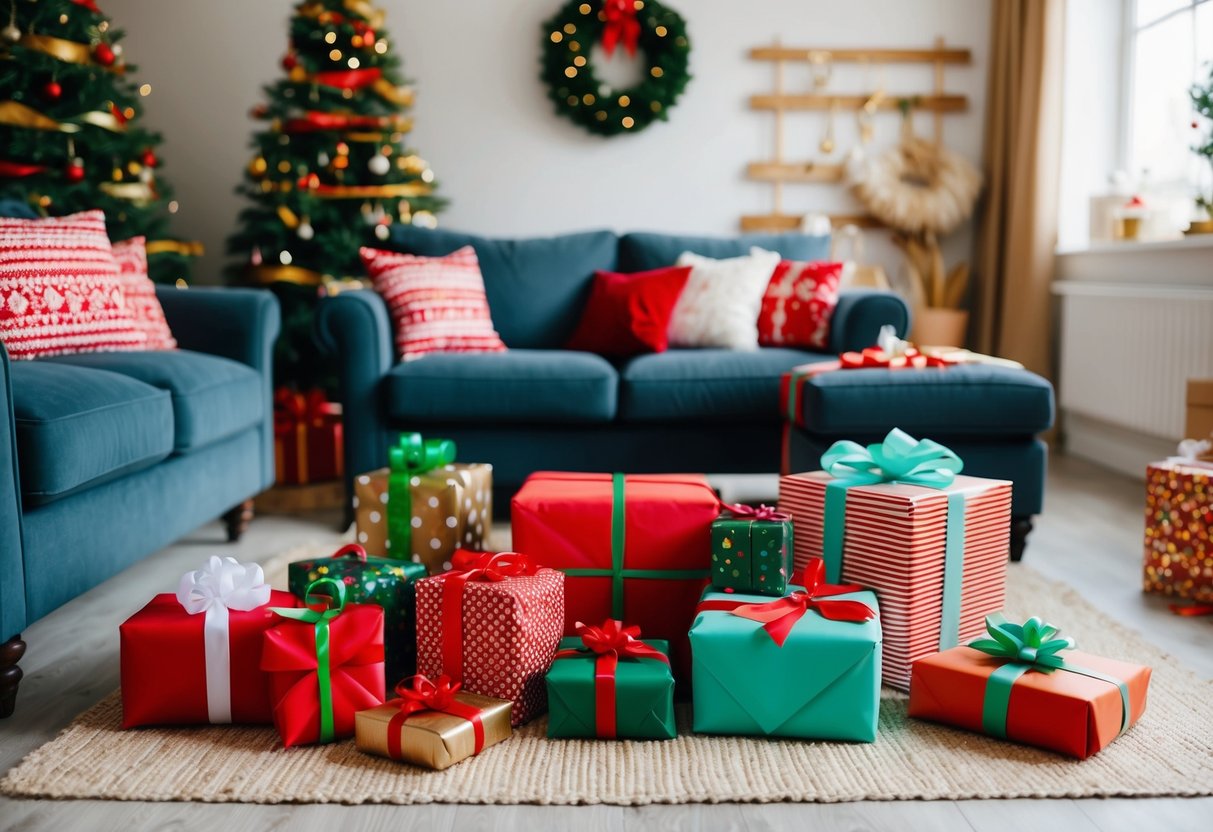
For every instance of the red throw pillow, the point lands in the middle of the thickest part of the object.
(59, 288)
(798, 305)
(629, 314)
(140, 294)
(437, 303)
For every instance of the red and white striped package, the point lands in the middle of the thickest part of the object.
(893, 543)
(59, 288)
(140, 294)
(437, 304)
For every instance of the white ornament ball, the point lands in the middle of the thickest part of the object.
(11, 33)
(379, 164)
(382, 232)
(305, 230)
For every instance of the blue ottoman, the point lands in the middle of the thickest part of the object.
(989, 415)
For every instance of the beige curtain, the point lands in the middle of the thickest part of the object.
(1012, 305)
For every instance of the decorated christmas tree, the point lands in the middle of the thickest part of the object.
(331, 172)
(70, 134)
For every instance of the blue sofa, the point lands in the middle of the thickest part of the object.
(109, 457)
(538, 406)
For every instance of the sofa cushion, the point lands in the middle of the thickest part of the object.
(536, 287)
(706, 385)
(79, 427)
(517, 387)
(640, 251)
(968, 400)
(212, 398)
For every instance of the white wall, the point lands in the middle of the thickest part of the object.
(509, 165)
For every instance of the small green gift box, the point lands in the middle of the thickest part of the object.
(369, 580)
(606, 683)
(752, 550)
(805, 665)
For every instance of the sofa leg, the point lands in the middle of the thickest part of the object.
(1020, 527)
(11, 652)
(237, 520)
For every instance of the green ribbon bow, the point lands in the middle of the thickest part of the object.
(899, 458)
(321, 619)
(1028, 646)
(617, 573)
(411, 456)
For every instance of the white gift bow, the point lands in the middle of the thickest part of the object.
(223, 584)
(1191, 449)
(889, 343)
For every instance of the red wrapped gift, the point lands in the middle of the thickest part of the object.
(194, 657)
(308, 444)
(323, 666)
(493, 624)
(634, 548)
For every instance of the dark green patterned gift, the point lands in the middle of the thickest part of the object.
(382, 581)
(752, 550)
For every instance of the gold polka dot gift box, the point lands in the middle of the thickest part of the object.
(425, 506)
(1178, 557)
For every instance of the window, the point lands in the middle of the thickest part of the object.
(1169, 46)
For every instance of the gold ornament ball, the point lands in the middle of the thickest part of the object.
(297, 74)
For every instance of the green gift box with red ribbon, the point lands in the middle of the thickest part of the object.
(606, 683)
(752, 550)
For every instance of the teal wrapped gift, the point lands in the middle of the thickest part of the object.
(806, 665)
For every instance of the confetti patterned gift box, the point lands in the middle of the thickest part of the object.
(452, 508)
(1179, 516)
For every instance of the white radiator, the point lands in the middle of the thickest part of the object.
(1128, 350)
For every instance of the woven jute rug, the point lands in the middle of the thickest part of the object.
(1167, 753)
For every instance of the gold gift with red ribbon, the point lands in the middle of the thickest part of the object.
(432, 724)
(308, 442)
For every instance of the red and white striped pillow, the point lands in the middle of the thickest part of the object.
(59, 289)
(437, 303)
(140, 294)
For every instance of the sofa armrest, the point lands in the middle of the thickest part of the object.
(240, 324)
(861, 313)
(355, 328)
(12, 568)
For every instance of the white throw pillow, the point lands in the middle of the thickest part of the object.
(719, 306)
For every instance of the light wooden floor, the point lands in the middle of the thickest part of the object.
(1089, 536)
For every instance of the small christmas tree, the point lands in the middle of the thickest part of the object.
(331, 174)
(1202, 102)
(70, 134)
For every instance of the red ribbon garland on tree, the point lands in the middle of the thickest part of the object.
(610, 642)
(349, 79)
(312, 122)
(472, 566)
(425, 695)
(778, 617)
(621, 26)
(17, 170)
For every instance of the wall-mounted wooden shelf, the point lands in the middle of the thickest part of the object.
(933, 103)
(793, 222)
(794, 172)
(875, 56)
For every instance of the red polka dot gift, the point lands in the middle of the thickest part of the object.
(492, 624)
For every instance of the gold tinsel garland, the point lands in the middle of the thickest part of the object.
(15, 114)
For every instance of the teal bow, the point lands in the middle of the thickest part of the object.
(904, 459)
(1032, 645)
(321, 619)
(409, 457)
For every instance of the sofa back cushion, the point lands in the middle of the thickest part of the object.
(536, 287)
(641, 251)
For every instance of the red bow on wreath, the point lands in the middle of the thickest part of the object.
(621, 26)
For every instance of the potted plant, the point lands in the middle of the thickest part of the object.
(1202, 102)
(937, 295)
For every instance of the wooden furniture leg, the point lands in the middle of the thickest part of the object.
(237, 520)
(11, 652)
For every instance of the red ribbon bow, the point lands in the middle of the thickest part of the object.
(621, 26)
(778, 617)
(610, 642)
(418, 694)
(292, 408)
(763, 512)
(876, 357)
(478, 567)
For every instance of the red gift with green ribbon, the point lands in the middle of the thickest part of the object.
(323, 663)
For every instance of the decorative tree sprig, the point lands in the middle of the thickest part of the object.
(1202, 102)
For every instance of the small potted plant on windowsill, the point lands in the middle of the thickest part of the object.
(1202, 102)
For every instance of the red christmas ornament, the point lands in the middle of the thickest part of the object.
(51, 90)
(149, 158)
(75, 170)
(289, 61)
(368, 37)
(103, 54)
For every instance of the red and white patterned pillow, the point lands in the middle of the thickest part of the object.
(59, 289)
(140, 294)
(798, 305)
(437, 303)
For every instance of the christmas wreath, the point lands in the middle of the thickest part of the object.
(657, 31)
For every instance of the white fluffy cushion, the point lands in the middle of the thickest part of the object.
(719, 306)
